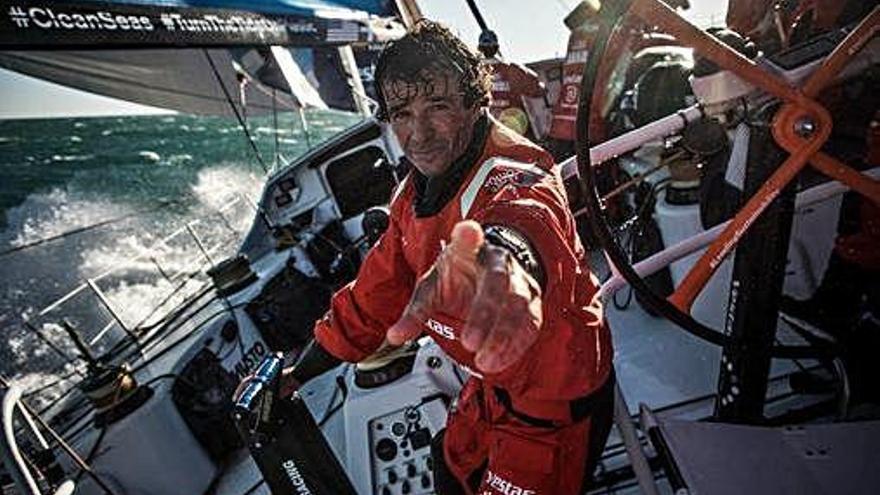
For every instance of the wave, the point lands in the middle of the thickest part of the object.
(72, 158)
(217, 187)
(137, 164)
(54, 213)
(150, 156)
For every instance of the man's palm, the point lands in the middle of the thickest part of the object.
(502, 301)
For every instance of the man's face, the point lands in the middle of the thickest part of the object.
(430, 119)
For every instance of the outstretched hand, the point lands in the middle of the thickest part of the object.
(502, 301)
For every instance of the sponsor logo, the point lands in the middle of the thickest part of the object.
(440, 329)
(47, 18)
(501, 485)
(79, 18)
(250, 359)
(496, 182)
(295, 477)
(500, 85)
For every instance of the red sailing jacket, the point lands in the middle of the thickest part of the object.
(515, 184)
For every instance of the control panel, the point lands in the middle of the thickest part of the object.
(401, 448)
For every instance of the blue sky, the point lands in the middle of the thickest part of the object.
(528, 30)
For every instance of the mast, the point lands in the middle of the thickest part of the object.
(355, 84)
(409, 11)
(477, 15)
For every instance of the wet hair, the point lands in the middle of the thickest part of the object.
(430, 46)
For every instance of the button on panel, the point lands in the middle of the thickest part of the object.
(401, 449)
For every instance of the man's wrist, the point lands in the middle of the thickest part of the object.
(520, 248)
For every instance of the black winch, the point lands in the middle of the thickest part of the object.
(111, 389)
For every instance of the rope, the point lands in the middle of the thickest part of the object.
(235, 111)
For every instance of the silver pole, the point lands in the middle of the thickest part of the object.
(106, 303)
(201, 246)
(640, 466)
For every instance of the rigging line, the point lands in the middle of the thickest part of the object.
(80, 230)
(253, 488)
(190, 334)
(47, 386)
(275, 127)
(235, 111)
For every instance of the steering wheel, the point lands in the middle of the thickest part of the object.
(12, 456)
(800, 126)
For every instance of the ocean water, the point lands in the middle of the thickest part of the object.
(141, 178)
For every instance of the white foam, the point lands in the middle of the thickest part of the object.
(217, 187)
(150, 156)
(72, 158)
(135, 301)
(50, 214)
(138, 286)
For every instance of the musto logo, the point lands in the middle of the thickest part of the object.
(295, 477)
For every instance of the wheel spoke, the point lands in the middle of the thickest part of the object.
(842, 53)
(857, 181)
(684, 296)
(705, 44)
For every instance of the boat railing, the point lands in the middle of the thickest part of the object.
(128, 301)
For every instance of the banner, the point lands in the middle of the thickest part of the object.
(28, 25)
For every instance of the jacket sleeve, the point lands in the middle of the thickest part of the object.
(539, 212)
(361, 312)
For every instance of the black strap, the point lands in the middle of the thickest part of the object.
(581, 408)
(520, 248)
(504, 398)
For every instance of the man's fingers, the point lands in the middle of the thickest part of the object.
(510, 338)
(466, 239)
(451, 277)
(492, 291)
(407, 328)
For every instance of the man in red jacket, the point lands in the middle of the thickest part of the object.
(481, 254)
(511, 82)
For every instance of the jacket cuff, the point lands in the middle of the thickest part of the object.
(335, 343)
